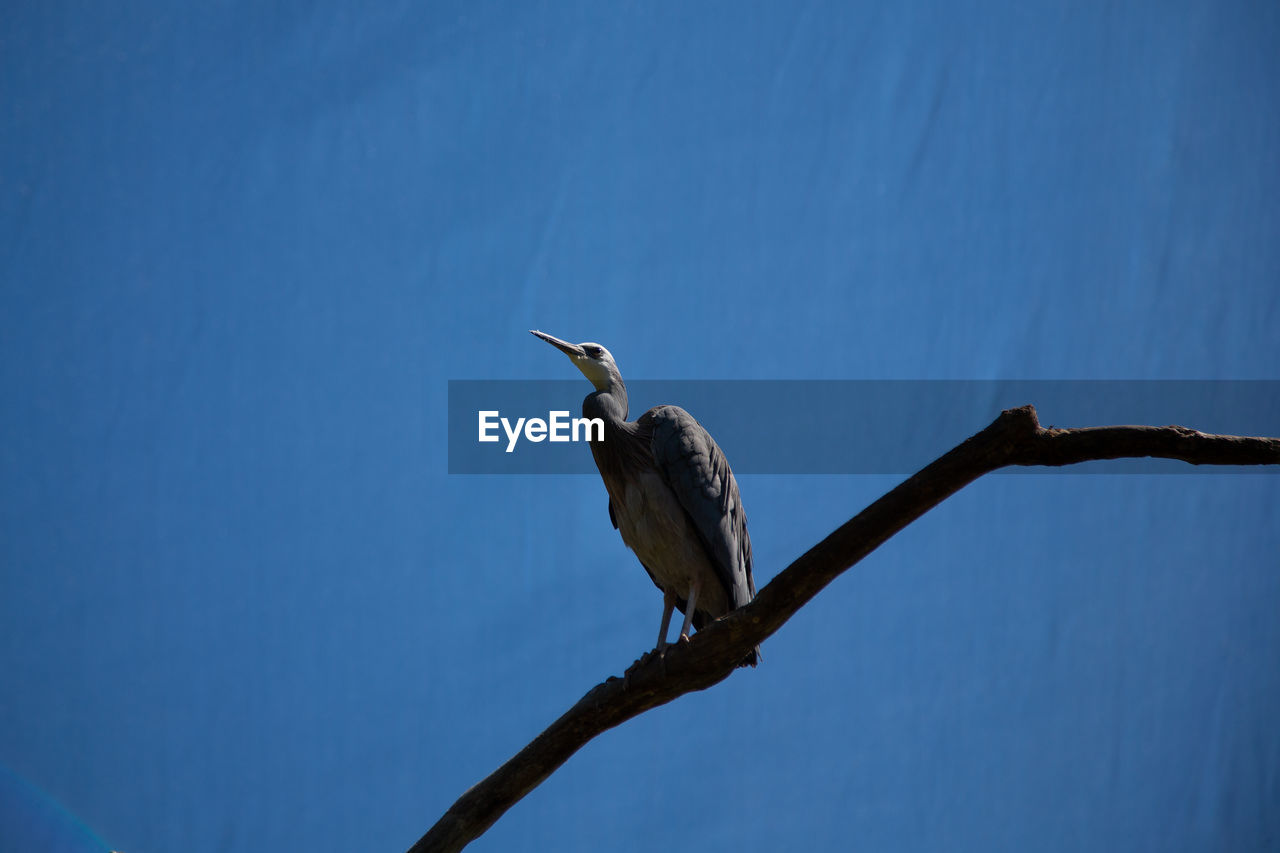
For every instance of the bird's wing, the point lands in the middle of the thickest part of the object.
(693, 466)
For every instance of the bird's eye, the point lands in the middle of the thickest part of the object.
(594, 352)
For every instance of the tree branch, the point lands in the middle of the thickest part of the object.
(1014, 438)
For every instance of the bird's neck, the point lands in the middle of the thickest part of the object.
(608, 404)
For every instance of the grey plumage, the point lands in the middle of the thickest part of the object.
(672, 497)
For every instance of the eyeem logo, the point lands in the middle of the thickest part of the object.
(800, 426)
(557, 427)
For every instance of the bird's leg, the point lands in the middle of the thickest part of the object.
(688, 610)
(668, 605)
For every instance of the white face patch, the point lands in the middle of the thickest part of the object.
(598, 369)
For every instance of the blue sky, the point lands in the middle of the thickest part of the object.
(244, 248)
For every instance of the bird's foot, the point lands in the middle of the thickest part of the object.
(626, 676)
(643, 661)
(684, 638)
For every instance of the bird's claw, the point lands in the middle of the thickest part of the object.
(643, 661)
(626, 676)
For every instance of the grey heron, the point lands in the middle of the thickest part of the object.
(672, 497)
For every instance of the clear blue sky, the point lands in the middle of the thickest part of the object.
(244, 247)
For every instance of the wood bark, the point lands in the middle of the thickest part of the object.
(1014, 438)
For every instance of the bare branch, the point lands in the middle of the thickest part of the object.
(1014, 438)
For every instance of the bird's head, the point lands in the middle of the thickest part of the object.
(595, 362)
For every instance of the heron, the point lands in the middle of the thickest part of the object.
(672, 496)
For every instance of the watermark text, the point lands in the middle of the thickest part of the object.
(557, 427)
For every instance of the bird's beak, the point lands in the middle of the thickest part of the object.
(565, 347)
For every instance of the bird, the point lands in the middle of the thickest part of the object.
(672, 497)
